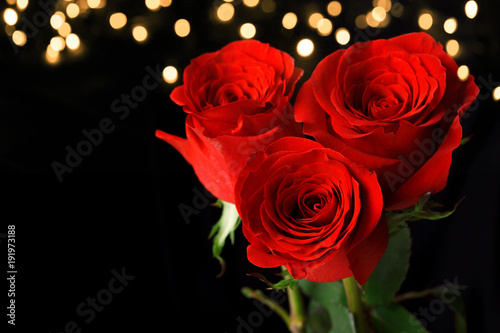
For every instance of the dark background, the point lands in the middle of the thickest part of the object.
(119, 208)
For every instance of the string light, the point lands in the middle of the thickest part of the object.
(452, 47)
(342, 36)
(64, 30)
(289, 21)
(425, 21)
(334, 8)
(379, 14)
(225, 12)
(385, 4)
(463, 72)
(397, 9)
(57, 20)
(51, 55)
(182, 27)
(72, 10)
(496, 94)
(248, 30)
(10, 16)
(314, 19)
(250, 3)
(324, 27)
(153, 5)
(165, 3)
(73, 41)
(361, 21)
(22, 4)
(57, 43)
(305, 47)
(450, 25)
(19, 38)
(94, 3)
(140, 33)
(117, 20)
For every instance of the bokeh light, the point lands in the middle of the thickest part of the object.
(289, 20)
(170, 74)
(52, 56)
(425, 21)
(57, 20)
(57, 43)
(140, 33)
(225, 12)
(153, 5)
(250, 3)
(94, 3)
(72, 10)
(305, 47)
(117, 20)
(452, 47)
(463, 72)
(247, 30)
(73, 42)
(334, 8)
(386, 4)
(397, 9)
(314, 19)
(165, 3)
(64, 30)
(19, 38)
(450, 25)
(379, 14)
(10, 16)
(182, 27)
(22, 4)
(496, 94)
(360, 21)
(325, 27)
(342, 36)
(471, 9)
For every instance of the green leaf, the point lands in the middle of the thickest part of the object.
(334, 318)
(395, 319)
(223, 229)
(318, 319)
(281, 285)
(390, 271)
(325, 293)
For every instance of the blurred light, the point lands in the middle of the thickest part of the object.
(140, 33)
(22, 4)
(268, 6)
(250, 3)
(72, 10)
(314, 19)
(334, 8)
(496, 94)
(305, 47)
(11, 2)
(463, 72)
(182, 28)
(9, 29)
(471, 9)
(450, 25)
(225, 12)
(165, 3)
(93, 3)
(57, 43)
(370, 20)
(83, 5)
(247, 30)
(153, 5)
(10, 16)
(325, 27)
(117, 20)
(452, 47)
(51, 55)
(342, 36)
(289, 20)
(170, 74)
(64, 30)
(386, 4)
(57, 20)
(360, 21)
(19, 38)
(73, 42)
(397, 9)
(379, 14)
(425, 21)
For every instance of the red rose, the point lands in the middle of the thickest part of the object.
(393, 106)
(311, 209)
(237, 101)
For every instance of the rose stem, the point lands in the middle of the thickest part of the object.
(355, 305)
(297, 311)
(259, 295)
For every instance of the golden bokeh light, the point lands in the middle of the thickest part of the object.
(117, 20)
(397, 9)
(305, 47)
(165, 3)
(247, 30)
(57, 20)
(370, 20)
(51, 55)
(73, 42)
(360, 21)
(268, 6)
(64, 30)
(496, 94)
(450, 25)
(289, 20)
(314, 19)
(170, 74)
(10, 16)
(140, 33)
(225, 12)
(250, 3)
(452, 47)
(379, 14)
(19, 37)
(334, 8)
(182, 27)
(22, 4)
(94, 3)
(386, 4)
(425, 21)
(463, 73)
(57, 43)
(471, 9)
(342, 36)
(325, 27)
(153, 5)
(72, 10)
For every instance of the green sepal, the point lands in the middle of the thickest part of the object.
(422, 210)
(281, 285)
(224, 228)
(390, 272)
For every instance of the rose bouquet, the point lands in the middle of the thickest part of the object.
(324, 189)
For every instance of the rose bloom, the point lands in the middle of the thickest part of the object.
(393, 106)
(237, 102)
(312, 210)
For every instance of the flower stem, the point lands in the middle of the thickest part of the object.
(259, 295)
(355, 304)
(297, 311)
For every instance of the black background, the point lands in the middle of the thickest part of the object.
(118, 208)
